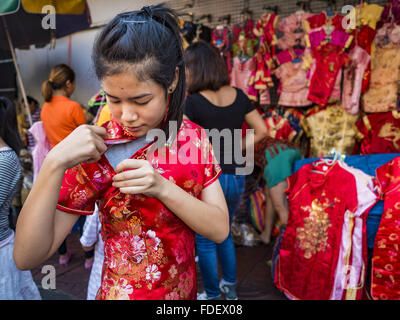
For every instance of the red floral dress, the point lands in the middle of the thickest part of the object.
(148, 251)
(385, 284)
(310, 247)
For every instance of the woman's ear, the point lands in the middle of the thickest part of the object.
(175, 82)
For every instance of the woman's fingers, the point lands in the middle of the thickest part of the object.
(130, 174)
(133, 190)
(128, 164)
(140, 182)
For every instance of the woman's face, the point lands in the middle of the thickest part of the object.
(138, 105)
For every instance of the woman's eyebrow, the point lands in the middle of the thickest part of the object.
(131, 98)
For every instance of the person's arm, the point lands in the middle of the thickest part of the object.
(41, 228)
(207, 217)
(254, 121)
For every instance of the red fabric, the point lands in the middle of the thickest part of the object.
(319, 20)
(310, 246)
(247, 26)
(148, 251)
(265, 30)
(385, 284)
(329, 60)
(364, 36)
(223, 41)
(380, 131)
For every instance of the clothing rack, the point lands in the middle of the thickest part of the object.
(274, 9)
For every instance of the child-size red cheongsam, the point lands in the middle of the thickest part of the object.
(309, 252)
(148, 251)
(385, 283)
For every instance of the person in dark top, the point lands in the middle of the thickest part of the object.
(219, 108)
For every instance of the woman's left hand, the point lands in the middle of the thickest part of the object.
(138, 176)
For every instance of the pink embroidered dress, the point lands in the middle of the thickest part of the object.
(353, 78)
(292, 30)
(148, 251)
(293, 79)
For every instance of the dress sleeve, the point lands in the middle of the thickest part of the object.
(78, 194)
(212, 169)
(383, 175)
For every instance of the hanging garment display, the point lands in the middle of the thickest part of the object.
(328, 58)
(380, 132)
(311, 243)
(242, 70)
(385, 63)
(353, 78)
(222, 39)
(391, 11)
(364, 37)
(245, 26)
(330, 128)
(385, 283)
(293, 78)
(291, 30)
(352, 262)
(260, 79)
(265, 31)
(322, 19)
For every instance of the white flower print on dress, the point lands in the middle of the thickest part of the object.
(138, 249)
(121, 291)
(152, 273)
(152, 240)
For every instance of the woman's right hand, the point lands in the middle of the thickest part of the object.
(84, 144)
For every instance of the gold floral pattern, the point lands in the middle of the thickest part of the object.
(313, 236)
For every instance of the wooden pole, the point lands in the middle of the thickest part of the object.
(21, 84)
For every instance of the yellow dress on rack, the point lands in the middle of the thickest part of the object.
(331, 128)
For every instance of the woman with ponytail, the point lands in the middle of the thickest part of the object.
(151, 204)
(14, 284)
(60, 116)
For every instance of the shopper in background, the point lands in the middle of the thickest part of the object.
(14, 283)
(60, 116)
(213, 104)
(93, 245)
(35, 115)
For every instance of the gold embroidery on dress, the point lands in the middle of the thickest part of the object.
(391, 133)
(313, 236)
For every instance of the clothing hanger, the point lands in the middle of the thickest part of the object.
(336, 156)
(226, 20)
(270, 9)
(329, 11)
(187, 6)
(189, 14)
(204, 16)
(305, 6)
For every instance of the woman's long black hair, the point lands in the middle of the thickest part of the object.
(8, 125)
(148, 39)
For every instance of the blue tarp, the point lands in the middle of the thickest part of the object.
(368, 164)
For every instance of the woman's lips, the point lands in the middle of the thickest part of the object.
(133, 129)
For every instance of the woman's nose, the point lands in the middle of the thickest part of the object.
(129, 114)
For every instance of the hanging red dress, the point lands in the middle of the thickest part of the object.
(309, 252)
(148, 251)
(385, 284)
(380, 132)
